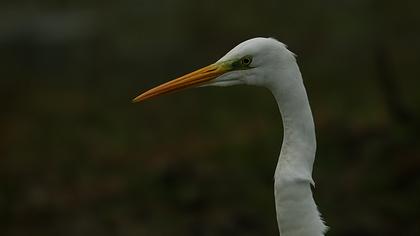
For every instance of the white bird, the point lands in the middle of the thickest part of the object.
(268, 63)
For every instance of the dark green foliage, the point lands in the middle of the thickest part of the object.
(78, 158)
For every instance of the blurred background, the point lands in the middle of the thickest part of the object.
(78, 158)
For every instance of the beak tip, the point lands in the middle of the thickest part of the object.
(136, 99)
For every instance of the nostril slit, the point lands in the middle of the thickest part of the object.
(210, 70)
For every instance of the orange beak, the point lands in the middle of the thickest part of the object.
(193, 79)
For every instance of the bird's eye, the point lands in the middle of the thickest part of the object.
(246, 61)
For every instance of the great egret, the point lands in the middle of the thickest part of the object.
(267, 62)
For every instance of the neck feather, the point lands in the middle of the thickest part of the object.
(297, 213)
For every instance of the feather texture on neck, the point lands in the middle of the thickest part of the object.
(297, 213)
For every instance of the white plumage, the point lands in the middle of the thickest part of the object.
(268, 63)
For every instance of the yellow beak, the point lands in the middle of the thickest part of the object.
(193, 79)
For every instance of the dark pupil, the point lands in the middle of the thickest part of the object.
(245, 61)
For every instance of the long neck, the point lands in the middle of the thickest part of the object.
(297, 213)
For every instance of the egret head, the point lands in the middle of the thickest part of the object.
(252, 62)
